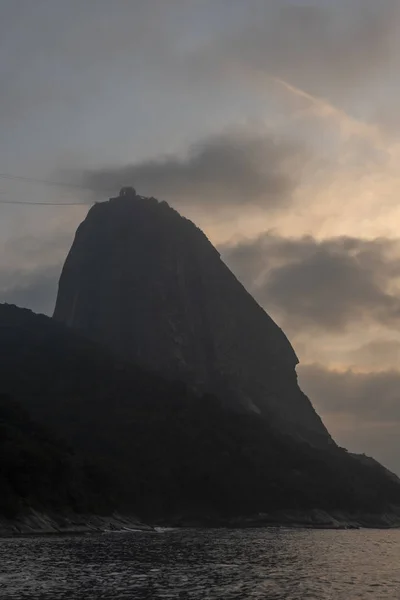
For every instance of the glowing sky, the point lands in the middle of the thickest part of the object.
(273, 124)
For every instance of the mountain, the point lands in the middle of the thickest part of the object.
(169, 453)
(148, 284)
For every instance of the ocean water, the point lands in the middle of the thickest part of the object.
(191, 564)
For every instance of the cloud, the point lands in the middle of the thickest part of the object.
(230, 169)
(371, 396)
(42, 250)
(329, 284)
(58, 52)
(35, 290)
(377, 355)
(30, 267)
(332, 51)
(351, 128)
(362, 410)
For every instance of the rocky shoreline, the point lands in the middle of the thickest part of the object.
(296, 519)
(38, 523)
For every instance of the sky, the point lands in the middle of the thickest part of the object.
(273, 124)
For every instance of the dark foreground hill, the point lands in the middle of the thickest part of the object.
(172, 453)
(148, 284)
(37, 471)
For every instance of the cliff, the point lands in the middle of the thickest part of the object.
(148, 284)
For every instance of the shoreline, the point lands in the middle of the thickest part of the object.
(36, 523)
(293, 519)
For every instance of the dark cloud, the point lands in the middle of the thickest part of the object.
(361, 409)
(234, 168)
(327, 284)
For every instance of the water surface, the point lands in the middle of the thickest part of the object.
(260, 563)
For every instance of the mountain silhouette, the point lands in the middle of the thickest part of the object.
(148, 284)
(173, 388)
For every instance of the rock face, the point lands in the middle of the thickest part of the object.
(147, 283)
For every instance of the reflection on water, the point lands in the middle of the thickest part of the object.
(269, 564)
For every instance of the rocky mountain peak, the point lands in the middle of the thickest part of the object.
(147, 283)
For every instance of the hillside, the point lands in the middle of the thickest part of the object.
(168, 451)
(37, 471)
